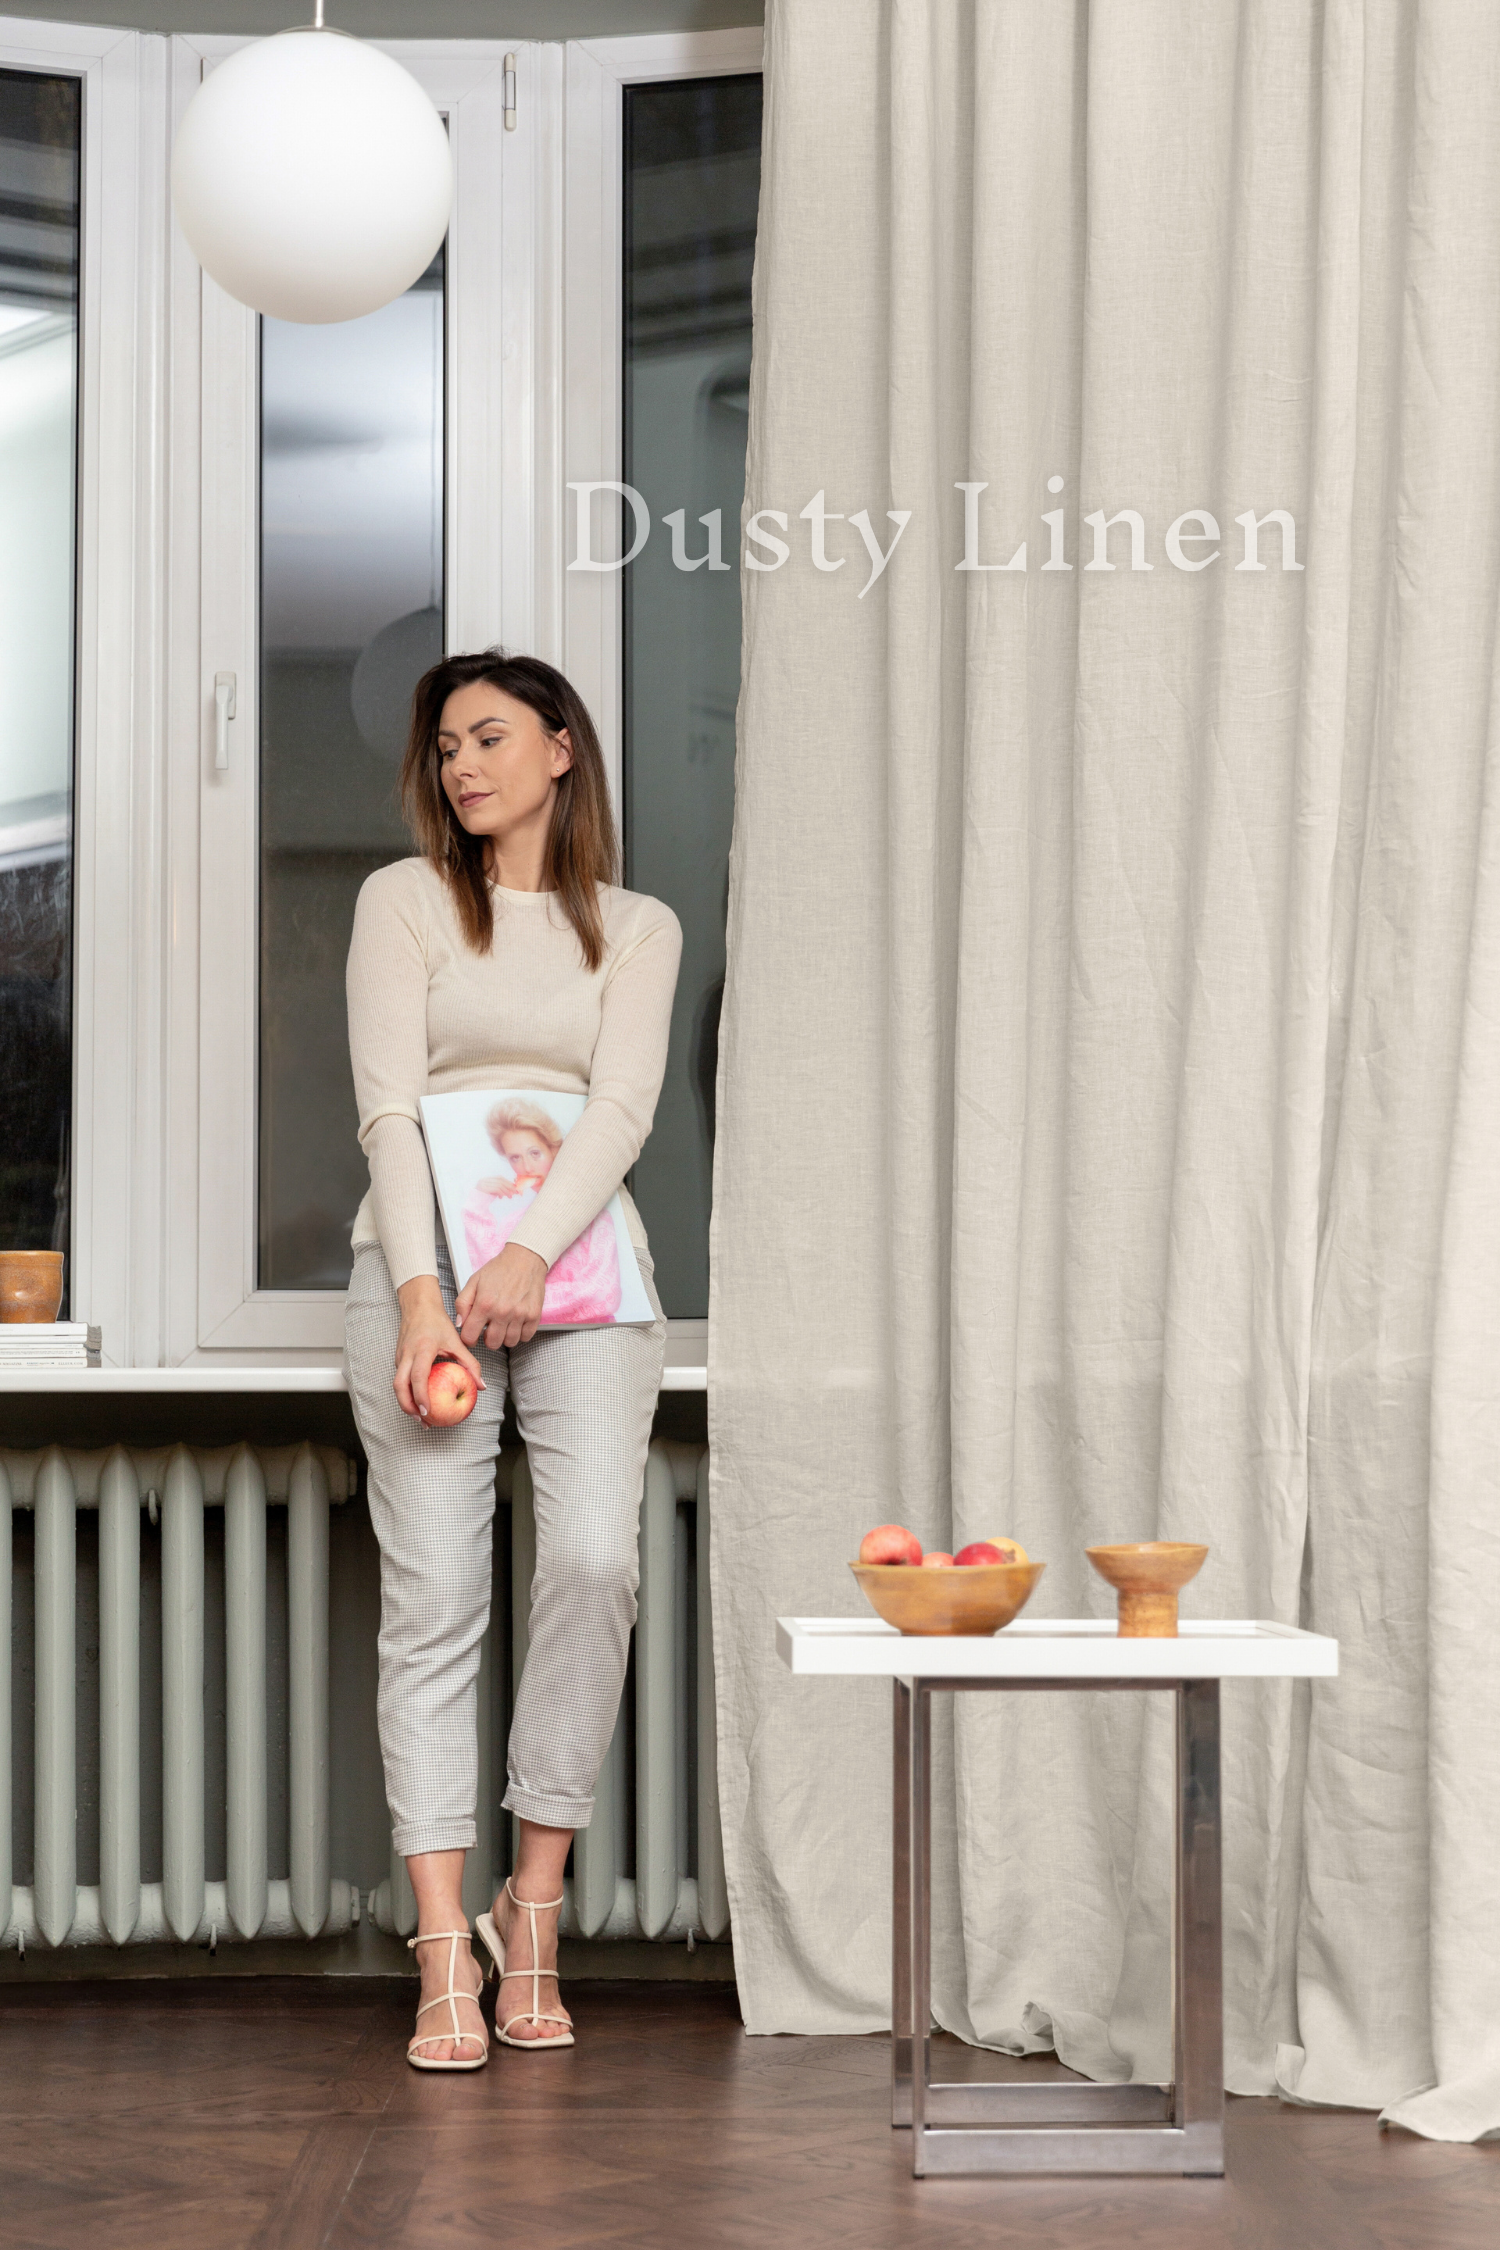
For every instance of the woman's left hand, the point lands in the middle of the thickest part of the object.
(501, 1304)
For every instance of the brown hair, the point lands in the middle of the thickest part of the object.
(582, 851)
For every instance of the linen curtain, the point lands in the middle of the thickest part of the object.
(1109, 1109)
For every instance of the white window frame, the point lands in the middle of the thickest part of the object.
(165, 865)
(117, 1019)
(495, 591)
(598, 72)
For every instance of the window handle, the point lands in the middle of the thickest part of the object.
(224, 685)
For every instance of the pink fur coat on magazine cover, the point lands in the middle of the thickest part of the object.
(582, 1287)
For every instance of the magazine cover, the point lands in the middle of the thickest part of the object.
(490, 1152)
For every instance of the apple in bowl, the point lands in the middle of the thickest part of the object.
(990, 1551)
(451, 1393)
(890, 1543)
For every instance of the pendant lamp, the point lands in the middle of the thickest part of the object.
(311, 176)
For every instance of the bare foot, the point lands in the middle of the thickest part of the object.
(433, 2037)
(514, 1925)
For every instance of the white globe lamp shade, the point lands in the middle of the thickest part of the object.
(311, 176)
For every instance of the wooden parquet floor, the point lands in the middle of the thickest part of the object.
(279, 2115)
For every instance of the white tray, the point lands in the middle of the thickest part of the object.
(1057, 1648)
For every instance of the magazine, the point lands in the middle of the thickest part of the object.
(490, 1152)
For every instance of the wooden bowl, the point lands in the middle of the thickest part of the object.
(1147, 1574)
(31, 1284)
(979, 1598)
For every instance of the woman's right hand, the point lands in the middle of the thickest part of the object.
(426, 1334)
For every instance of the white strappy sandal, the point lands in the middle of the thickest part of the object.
(448, 2000)
(485, 1925)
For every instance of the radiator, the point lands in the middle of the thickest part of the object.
(176, 1486)
(650, 1865)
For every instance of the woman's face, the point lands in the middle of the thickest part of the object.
(498, 763)
(525, 1151)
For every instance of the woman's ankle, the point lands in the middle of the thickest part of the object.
(541, 1854)
(537, 1894)
(437, 1885)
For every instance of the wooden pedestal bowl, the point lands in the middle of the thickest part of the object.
(31, 1284)
(1147, 1575)
(980, 1598)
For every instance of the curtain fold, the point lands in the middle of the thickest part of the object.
(1108, 1072)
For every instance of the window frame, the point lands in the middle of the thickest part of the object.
(492, 585)
(115, 1124)
(165, 857)
(598, 72)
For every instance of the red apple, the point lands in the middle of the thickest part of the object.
(890, 1543)
(977, 1551)
(934, 1560)
(451, 1392)
(1011, 1550)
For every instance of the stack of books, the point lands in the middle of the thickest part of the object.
(30, 1344)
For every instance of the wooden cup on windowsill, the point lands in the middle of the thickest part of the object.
(31, 1284)
(1148, 1574)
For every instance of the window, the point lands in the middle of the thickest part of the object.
(661, 193)
(303, 518)
(351, 615)
(692, 185)
(363, 489)
(40, 152)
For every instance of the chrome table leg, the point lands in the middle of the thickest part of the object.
(975, 2127)
(919, 1920)
(1198, 1964)
(901, 1908)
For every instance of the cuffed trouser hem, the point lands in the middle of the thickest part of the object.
(549, 1812)
(434, 1836)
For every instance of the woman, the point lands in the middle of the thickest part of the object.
(503, 955)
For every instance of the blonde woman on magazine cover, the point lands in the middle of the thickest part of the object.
(584, 1284)
(504, 954)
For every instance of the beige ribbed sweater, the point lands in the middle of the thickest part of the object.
(428, 1015)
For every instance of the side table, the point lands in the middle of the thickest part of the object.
(971, 2126)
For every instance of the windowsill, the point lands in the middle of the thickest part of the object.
(201, 1380)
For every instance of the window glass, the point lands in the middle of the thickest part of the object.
(692, 184)
(351, 558)
(40, 121)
